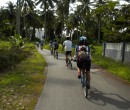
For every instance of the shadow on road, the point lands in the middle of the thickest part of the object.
(102, 99)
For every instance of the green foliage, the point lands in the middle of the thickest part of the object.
(117, 30)
(10, 56)
(21, 87)
(4, 45)
(17, 41)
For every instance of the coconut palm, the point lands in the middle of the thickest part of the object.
(11, 16)
(22, 4)
(45, 4)
(50, 22)
(62, 11)
(33, 21)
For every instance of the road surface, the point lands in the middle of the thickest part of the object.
(63, 91)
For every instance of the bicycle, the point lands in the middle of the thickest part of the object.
(51, 50)
(69, 63)
(41, 47)
(84, 80)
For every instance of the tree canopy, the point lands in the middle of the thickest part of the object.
(99, 21)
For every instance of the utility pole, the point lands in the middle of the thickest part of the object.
(99, 24)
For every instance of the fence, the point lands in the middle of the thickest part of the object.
(117, 51)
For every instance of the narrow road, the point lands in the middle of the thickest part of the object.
(63, 91)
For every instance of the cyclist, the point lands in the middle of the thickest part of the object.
(67, 45)
(41, 44)
(51, 46)
(55, 46)
(83, 57)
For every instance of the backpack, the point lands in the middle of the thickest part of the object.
(83, 52)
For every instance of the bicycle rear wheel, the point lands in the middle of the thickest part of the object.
(85, 86)
(56, 55)
(69, 63)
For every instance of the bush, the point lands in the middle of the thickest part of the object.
(10, 56)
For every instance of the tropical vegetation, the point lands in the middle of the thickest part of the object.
(21, 83)
(21, 66)
(99, 21)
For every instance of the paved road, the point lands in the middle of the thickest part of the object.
(62, 90)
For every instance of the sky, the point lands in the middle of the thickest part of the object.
(3, 2)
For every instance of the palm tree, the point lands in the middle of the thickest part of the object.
(18, 17)
(62, 11)
(46, 4)
(60, 19)
(22, 4)
(33, 20)
(50, 22)
(11, 16)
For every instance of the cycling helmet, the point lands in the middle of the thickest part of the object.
(82, 40)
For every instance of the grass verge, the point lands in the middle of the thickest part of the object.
(116, 68)
(21, 86)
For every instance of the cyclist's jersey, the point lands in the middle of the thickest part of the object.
(55, 45)
(83, 51)
(68, 45)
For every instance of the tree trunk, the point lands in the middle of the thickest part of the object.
(18, 18)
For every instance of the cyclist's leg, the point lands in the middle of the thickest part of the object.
(79, 72)
(88, 78)
(57, 53)
(66, 57)
(88, 71)
(52, 49)
(54, 52)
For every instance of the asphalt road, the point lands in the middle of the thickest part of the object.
(63, 91)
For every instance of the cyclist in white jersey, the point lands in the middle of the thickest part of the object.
(67, 45)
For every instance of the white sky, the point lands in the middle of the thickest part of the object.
(3, 2)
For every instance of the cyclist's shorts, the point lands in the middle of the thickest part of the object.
(55, 48)
(86, 63)
(68, 52)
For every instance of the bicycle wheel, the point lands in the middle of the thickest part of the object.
(85, 86)
(82, 79)
(51, 51)
(69, 63)
(56, 55)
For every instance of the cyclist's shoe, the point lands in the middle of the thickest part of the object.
(79, 76)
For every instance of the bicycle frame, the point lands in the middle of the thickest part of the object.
(69, 63)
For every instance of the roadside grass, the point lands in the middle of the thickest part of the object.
(116, 68)
(21, 86)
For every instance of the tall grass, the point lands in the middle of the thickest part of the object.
(116, 68)
(21, 87)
